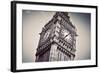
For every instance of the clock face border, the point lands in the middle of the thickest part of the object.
(14, 46)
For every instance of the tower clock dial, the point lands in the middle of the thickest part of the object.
(64, 32)
(66, 35)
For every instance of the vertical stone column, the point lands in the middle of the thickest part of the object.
(53, 52)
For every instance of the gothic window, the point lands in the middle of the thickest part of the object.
(58, 54)
(45, 36)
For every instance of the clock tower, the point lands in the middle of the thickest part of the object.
(57, 39)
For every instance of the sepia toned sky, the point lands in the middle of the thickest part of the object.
(32, 23)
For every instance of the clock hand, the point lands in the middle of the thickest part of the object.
(66, 35)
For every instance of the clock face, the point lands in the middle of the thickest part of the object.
(64, 32)
(66, 35)
(69, 38)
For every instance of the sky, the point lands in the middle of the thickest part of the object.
(33, 22)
